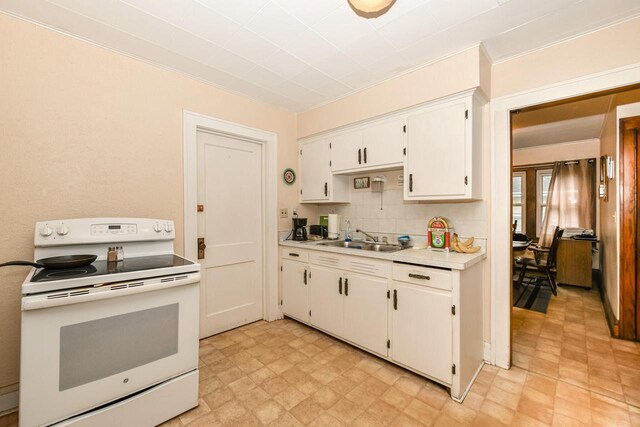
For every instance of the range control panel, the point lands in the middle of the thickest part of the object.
(101, 230)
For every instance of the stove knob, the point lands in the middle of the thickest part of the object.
(62, 230)
(157, 228)
(46, 231)
(168, 227)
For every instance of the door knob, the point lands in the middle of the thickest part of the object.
(201, 247)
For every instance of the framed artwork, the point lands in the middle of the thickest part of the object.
(289, 176)
(360, 183)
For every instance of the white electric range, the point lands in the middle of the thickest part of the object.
(109, 343)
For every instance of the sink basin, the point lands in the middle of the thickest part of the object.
(343, 244)
(365, 246)
(378, 247)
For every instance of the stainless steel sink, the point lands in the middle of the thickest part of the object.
(365, 246)
(343, 244)
(378, 247)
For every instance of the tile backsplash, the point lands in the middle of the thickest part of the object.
(387, 214)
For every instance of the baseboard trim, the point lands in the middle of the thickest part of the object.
(9, 401)
(487, 352)
(612, 322)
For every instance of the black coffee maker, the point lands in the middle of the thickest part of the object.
(299, 229)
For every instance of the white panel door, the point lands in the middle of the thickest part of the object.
(436, 149)
(294, 289)
(365, 312)
(383, 143)
(422, 327)
(315, 171)
(325, 292)
(346, 151)
(230, 183)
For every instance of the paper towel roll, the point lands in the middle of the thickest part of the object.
(333, 229)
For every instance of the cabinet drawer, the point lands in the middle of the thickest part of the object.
(425, 276)
(327, 259)
(295, 254)
(372, 267)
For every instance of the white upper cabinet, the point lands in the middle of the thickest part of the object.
(438, 144)
(444, 151)
(369, 147)
(317, 184)
(346, 151)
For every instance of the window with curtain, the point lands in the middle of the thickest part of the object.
(518, 200)
(543, 180)
(571, 198)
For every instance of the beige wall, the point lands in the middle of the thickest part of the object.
(456, 73)
(88, 132)
(609, 236)
(603, 50)
(608, 215)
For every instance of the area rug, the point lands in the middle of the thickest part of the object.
(534, 296)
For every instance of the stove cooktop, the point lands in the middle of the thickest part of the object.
(102, 268)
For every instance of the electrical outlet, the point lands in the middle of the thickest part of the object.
(295, 212)
(284, 213)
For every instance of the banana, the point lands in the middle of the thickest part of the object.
(465, 247)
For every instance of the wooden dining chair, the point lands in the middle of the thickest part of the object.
(541, 267)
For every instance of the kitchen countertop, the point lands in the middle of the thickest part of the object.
(426, 257)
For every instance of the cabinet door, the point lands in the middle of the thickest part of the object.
(346, 151)
(365, 312)
(383, 143)
(294, 289)
(315, 171)
(422, 328)
(436, 152)
(326, 300)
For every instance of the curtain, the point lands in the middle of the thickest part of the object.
(571, 198)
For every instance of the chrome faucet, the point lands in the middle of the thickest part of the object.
(375, 239)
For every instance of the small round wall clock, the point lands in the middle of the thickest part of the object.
(289, 176)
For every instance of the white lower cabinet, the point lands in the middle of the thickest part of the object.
(326, 304)
(428, 320)
(422, 329)
(294, 289)
(365, 311)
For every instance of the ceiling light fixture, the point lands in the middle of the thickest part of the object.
(371, 8)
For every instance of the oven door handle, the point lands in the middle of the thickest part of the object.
(107, 291)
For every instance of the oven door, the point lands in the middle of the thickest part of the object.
(88, 347)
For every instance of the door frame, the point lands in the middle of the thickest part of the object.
(500, 243)
(628, 312)
(194, 122)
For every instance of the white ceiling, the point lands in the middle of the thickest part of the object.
(298, 54)
(567, 122)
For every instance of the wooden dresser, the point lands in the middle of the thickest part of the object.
(574, 263)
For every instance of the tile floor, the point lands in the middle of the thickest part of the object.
(286, 374)
(571, 342)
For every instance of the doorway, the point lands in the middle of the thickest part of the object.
(230, 214)
(501, 226)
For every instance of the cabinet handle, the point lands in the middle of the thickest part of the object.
(395, 299)
(365, 154)
(325, 189)
(293, 254)
(340, 286)
(305, 276)
(359, 156)
(410, 182)
(419, 276)
(346, 287)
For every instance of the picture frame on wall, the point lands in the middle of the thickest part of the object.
(361, 183)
